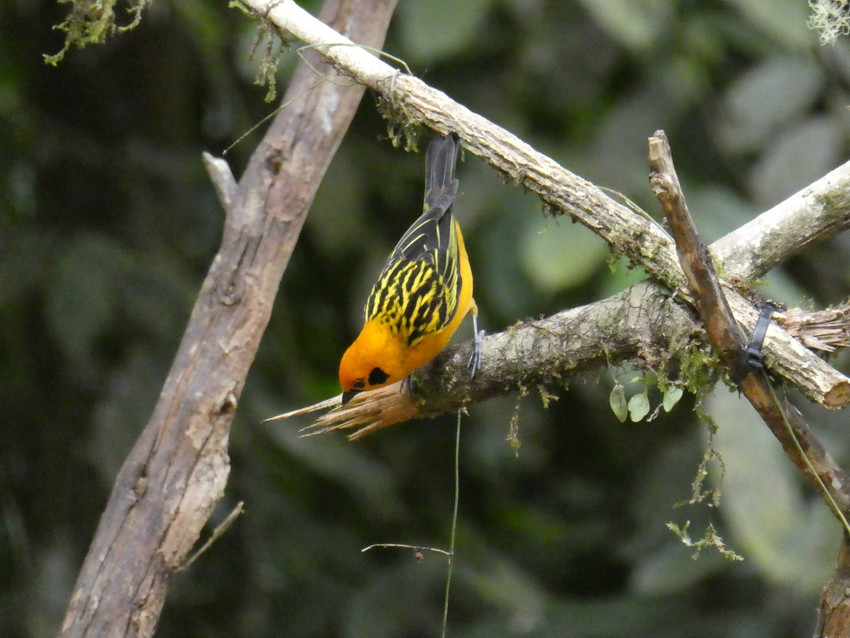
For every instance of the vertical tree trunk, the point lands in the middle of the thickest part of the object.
(178, 468)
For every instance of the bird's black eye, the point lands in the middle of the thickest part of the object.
(360, 384)
(377, 376)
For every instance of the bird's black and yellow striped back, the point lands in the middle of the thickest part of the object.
(417, 292)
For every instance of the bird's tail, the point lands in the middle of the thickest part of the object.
(440, 160)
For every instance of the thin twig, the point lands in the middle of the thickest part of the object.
(453, 534)
(220, 529)
(415, 548)
(221, 177)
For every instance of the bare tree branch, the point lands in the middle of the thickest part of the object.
(703, 283)
(413, 103)
(176, 472)
(819, 211)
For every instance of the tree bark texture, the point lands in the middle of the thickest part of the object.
(177, 470)
(834, 608)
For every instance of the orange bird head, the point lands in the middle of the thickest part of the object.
(375, 359)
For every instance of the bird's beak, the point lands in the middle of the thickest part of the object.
(347, 396)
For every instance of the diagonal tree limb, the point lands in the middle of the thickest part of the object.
(820, 211)
(411, 103)
(697, 263)
(810, 215)
(177, 470)
(784, 421)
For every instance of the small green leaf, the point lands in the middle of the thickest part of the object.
(671, 398)
(639, 406)
(617, 400)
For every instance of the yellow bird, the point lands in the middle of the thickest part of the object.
(423, 292)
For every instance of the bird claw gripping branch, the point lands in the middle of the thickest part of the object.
(475, 358)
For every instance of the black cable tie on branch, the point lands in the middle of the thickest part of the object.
(753, 355)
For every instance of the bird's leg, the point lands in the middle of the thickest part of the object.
(475, 358)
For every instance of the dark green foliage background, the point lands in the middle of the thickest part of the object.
(108, 223)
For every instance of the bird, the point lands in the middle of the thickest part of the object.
(423, 292)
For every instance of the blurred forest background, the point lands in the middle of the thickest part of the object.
(108, 224)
